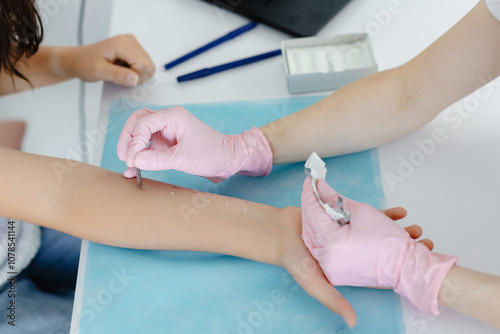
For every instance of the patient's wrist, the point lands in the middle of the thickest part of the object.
(65, 61)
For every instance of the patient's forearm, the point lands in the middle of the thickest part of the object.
(102, 206)
(107, 208)
(473, 293)
(46, 67)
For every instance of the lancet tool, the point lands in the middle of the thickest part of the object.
(139, 177)
(316, 170)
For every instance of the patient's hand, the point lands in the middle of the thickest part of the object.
(119, 59)
(296, 258)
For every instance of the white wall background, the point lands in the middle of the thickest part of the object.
(52, 112)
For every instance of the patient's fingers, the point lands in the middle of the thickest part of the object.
(414, 231)
(309, 275)
(428, 243)
(395, 213)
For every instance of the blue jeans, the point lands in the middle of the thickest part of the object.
(44, 291)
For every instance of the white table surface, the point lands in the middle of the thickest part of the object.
(451, 192)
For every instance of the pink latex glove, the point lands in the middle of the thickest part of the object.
(181, 141)
(372, 250)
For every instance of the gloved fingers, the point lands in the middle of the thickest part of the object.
(329, 196)
(309, 275)
(313, 213)
(395, 213)
(320, 242)
(144, 129)
(308, 237)
(159, 143)
(215, 179)
(155, 160)
(130, 173)
(326, 193)
(126, 135)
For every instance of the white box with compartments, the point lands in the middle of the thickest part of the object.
(316, 64)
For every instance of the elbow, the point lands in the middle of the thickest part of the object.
(413, 103)
(406, 95)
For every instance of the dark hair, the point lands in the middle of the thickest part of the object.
(21, 33)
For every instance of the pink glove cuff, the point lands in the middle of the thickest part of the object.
(259, 160)
(421, 277)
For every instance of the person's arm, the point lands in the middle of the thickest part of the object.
(11, 134)
(473, 293)
(365, 114)
(390, 104)
(99, 205)
(102, 206)
(54, 64)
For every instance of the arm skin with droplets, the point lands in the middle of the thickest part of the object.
(102, 206)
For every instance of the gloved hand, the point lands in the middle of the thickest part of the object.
(181, 141)
(372, 250)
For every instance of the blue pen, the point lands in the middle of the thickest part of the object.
(224, 67)
(210, 45)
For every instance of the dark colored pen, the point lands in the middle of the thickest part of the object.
(224, 67)
(212, 44)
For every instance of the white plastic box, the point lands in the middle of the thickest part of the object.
(315, 64)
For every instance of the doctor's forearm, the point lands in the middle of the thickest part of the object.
(473, 293)
(387, 105)
(360, 116)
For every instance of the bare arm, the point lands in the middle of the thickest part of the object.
(473, 293)
(48, 66)
(390, 104)
(102, 206)
(11, 134)
(54, 64)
